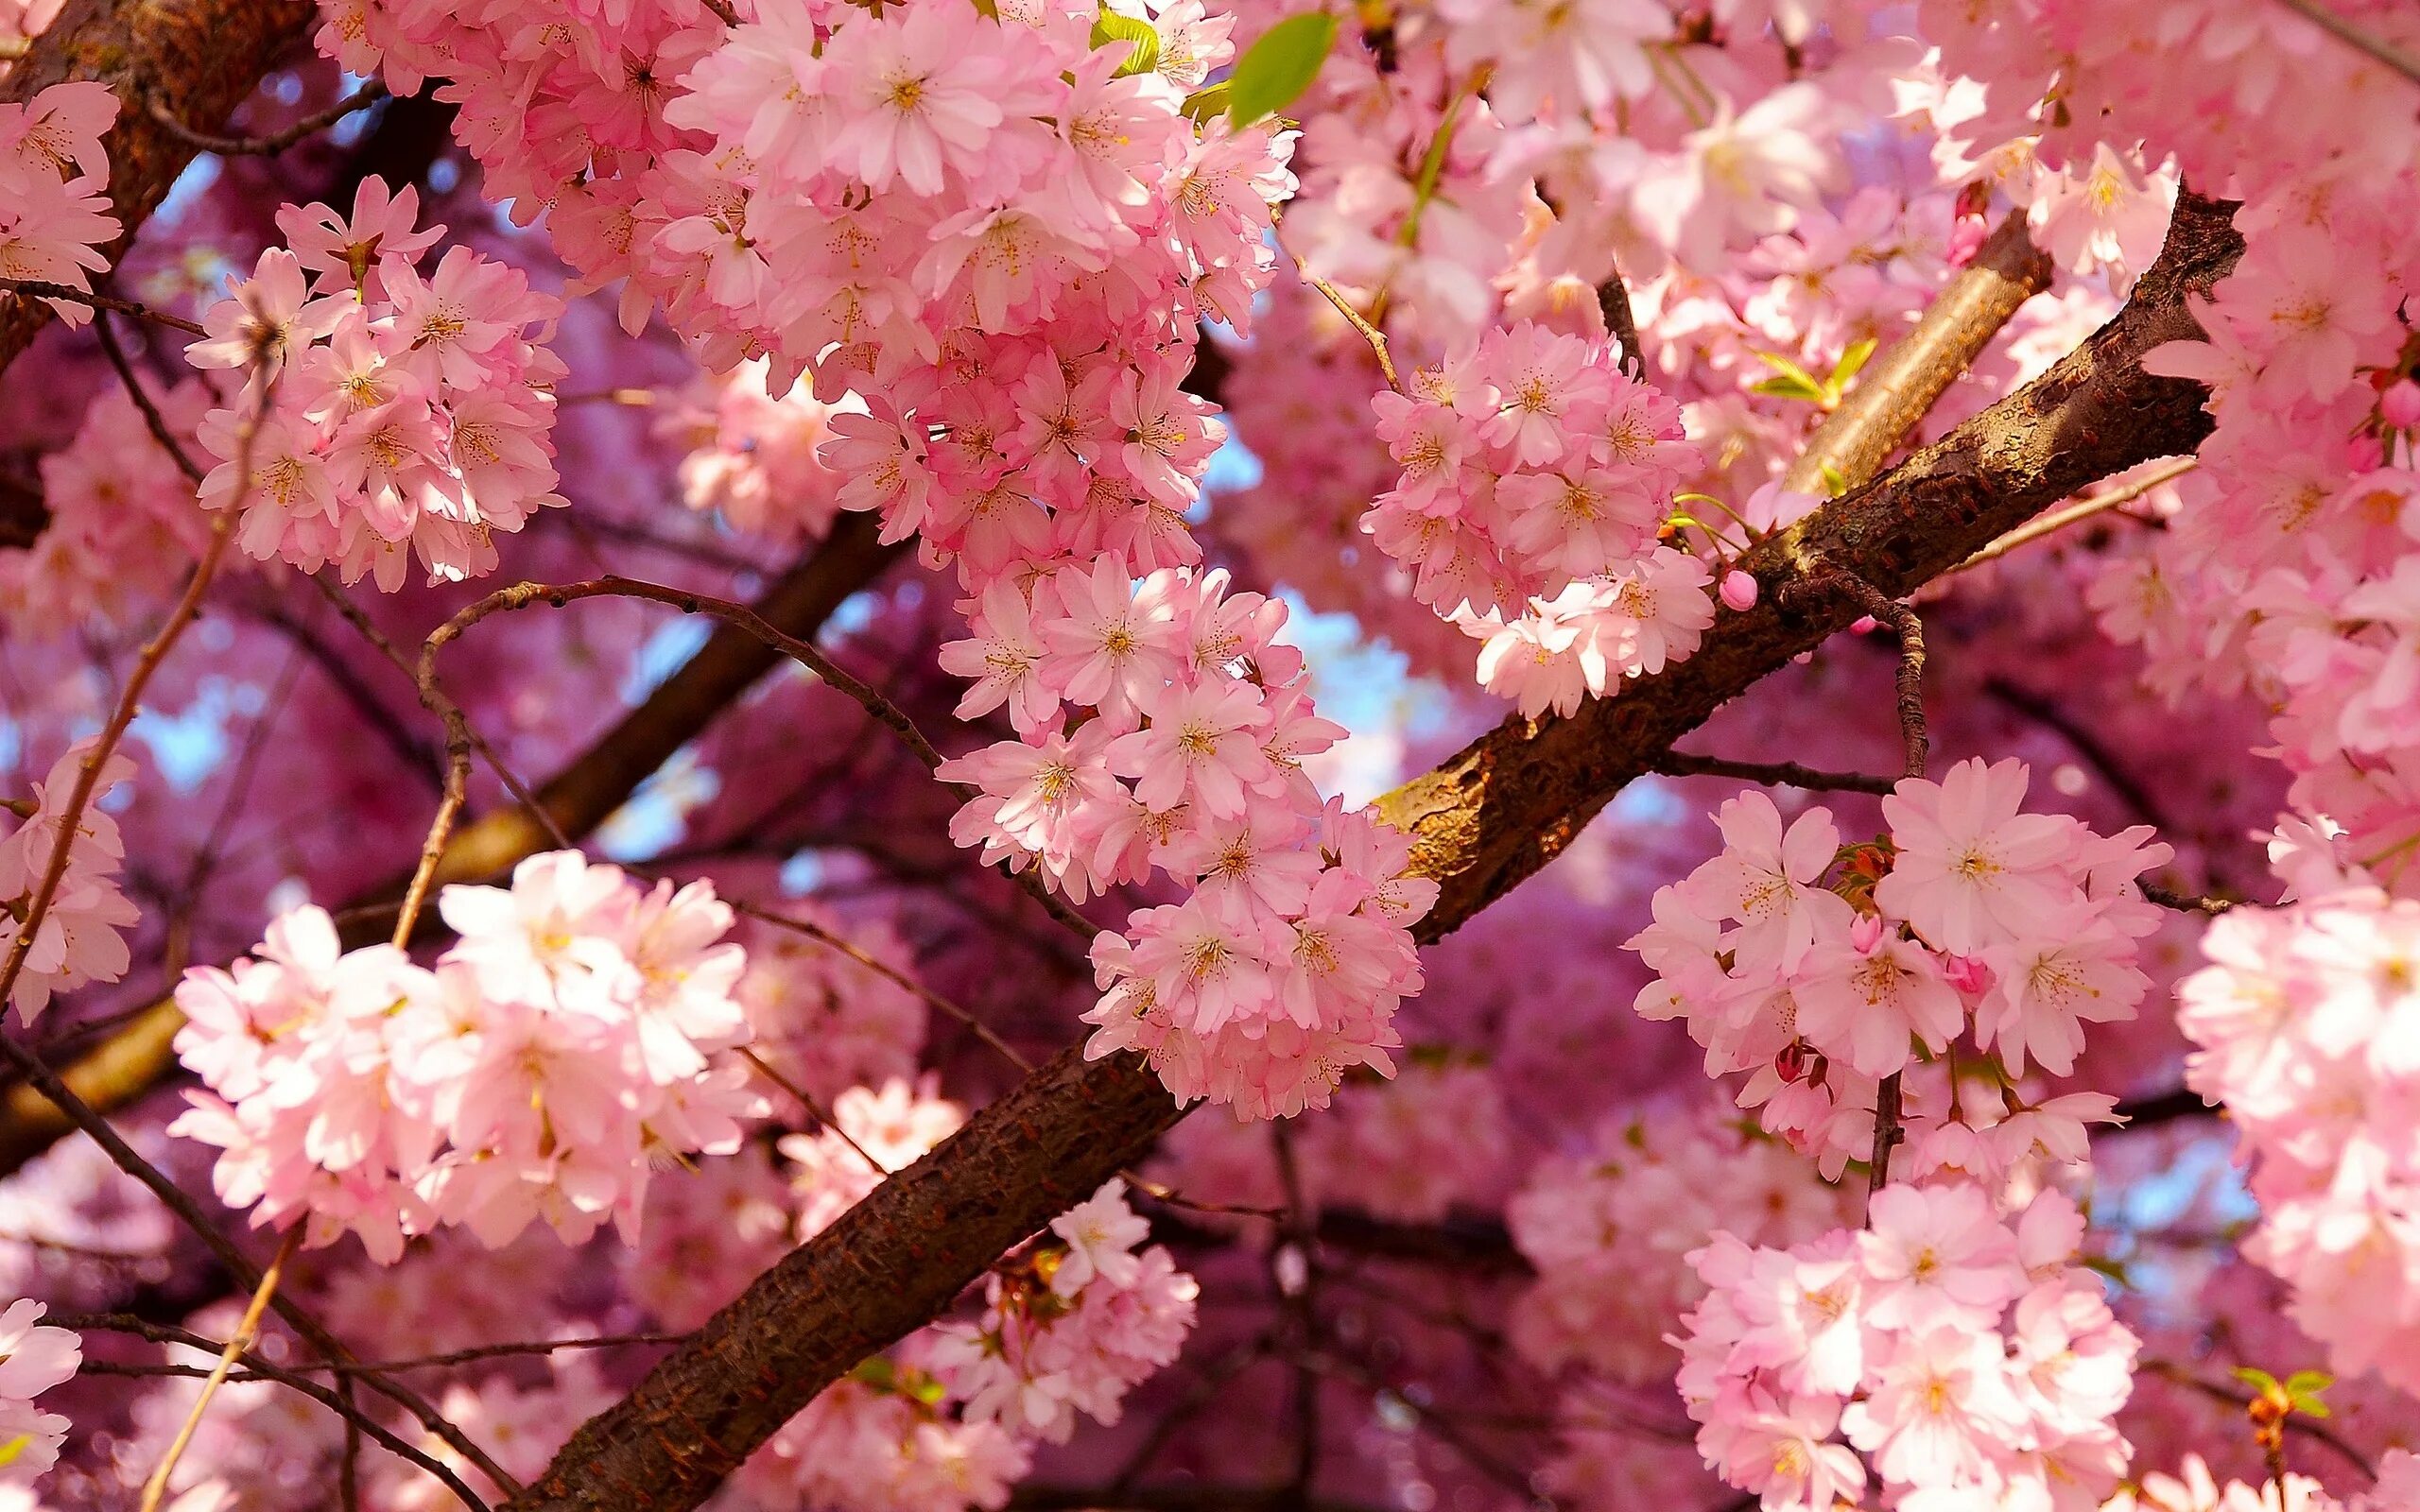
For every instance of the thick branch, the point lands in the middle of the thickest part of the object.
(137, 1056)
(1482, 822)
(198, 59)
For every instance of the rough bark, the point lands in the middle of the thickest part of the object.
(138, 1056)
(197, 58)
(1483, 821)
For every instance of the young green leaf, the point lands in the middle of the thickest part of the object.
(1110, 26)
(1852, 363)
(1205, 102)
(1789, 386)
(1275, 70)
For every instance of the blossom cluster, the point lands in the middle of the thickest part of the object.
(753, 456)
(1960, 1352)
(383, 413)
(572, 1038)
(2306, 1020)
(1088, 1319)
(82, 934)
(1532, 463)
(1609, 1231)
(1283, 968)
(123, 525)
(33, 1359)
(1971, 915)
(54, 180)
(948, 1418)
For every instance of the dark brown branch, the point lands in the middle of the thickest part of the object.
(1771, 774)
(1481, 823)
(276, 142)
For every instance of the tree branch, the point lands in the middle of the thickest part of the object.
(1481, 823)
(198, 59)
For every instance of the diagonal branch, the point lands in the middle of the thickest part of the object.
(1482, 822)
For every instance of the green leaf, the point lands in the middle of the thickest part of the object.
(1852, 363)
(2258, 1379)
(1110, 26)
(1204, 103)
(1835, 481)
(1789, 387)
(1789, 369)
(2308, 1382)
(1275, 70)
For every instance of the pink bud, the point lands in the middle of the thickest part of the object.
(1966, 973)
(1739, 590)
(2400, 405)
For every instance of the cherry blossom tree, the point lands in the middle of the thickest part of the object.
(873, 757)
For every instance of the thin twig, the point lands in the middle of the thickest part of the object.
(2058, 520)
(522, 595)
(257, 1368)
(1915, 742)
(886, 970)
(2186, 902)
(34, 288)
(276, 142)
(153, 421)
(247, 1330)
(808, 1100)
(1772, 774)
(2357, 38)
(1360, 323)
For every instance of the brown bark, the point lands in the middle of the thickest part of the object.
(137, 1056)
(1483, 821)
(197, 58)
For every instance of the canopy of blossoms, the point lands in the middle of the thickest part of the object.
(1184, 755)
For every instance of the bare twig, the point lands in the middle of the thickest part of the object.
(1772, 774)
(152, 420)
(34, 288)
(254, 1368)
(247, 1330)
(2058, 520)
(2361, 40)
(522, 595)
(1371, 333)
(262, 146)
(1900, 385)
(1914, 744)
